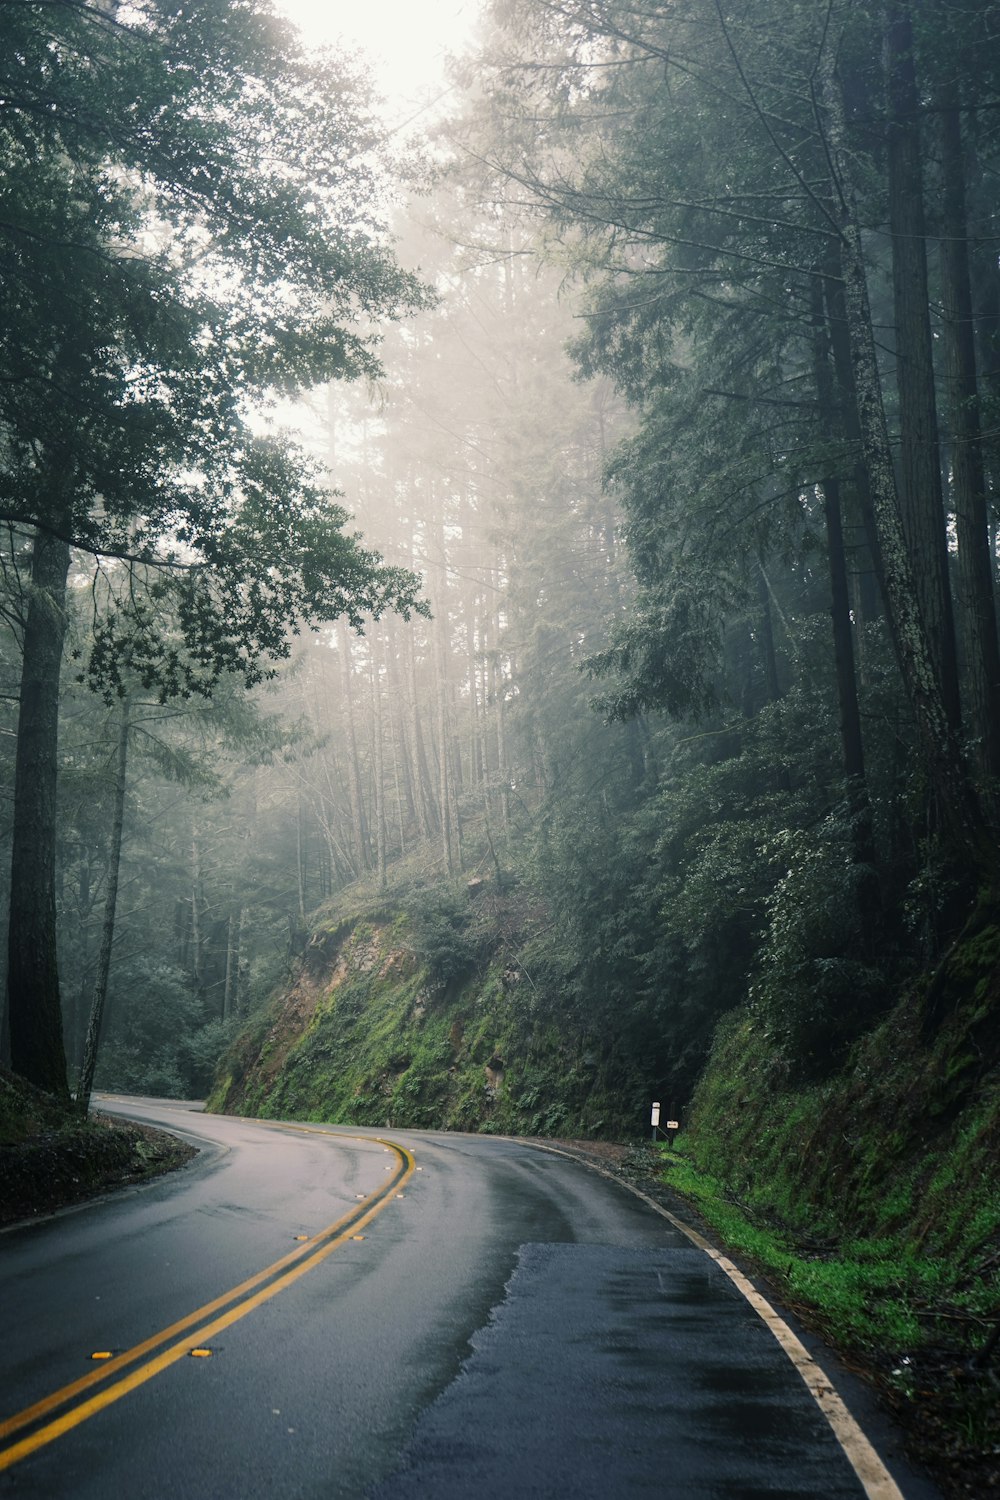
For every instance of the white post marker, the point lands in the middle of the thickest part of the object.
(654, 1118)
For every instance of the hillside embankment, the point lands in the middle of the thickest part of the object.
(427, 1014)
(51, 1158)
(872, 1198)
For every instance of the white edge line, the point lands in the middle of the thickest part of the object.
(877, 1482)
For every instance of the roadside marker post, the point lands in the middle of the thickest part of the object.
(671, 1128)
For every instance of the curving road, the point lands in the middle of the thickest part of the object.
(311, 1311)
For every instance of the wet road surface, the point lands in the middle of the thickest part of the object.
(436, 1316)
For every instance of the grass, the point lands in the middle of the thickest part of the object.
(871, 1198)
(864, 1291)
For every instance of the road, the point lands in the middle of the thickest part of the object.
(312, 1311)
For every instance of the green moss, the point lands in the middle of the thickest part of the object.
(872, 1197)
(413, 1020)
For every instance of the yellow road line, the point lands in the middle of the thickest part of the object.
(121, 1361)
(285, 1271)
(874, 1477)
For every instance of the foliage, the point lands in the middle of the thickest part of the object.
(816, 990)
(374, 1038)
(188, 224)
(872, 1198)
(441, 932)
(896, 1142)
(788, 840)
(161, 1037)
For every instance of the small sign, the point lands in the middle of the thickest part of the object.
(654, 1118)
(673, 1124)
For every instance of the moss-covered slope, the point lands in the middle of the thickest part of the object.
(873, 1198)
(428, 1017)
(903, 1141)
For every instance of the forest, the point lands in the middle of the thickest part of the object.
(498, 613)
(593, 498)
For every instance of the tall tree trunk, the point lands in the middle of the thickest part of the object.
(975, 568)
(489, 689)
(80, 1004)
(441, 634)
(397, 780)
(97, 1005)
(379, 732)
(404, 760)
(35, 1014)
(429, 817)
(985, 274)
(232, 966)
(444, 780)
(196, 905)
(770, 659)
(358, 818)
(921, 500)
(847, 401)
(243, 964)
(948, 774)
(852, 749)
(500, 694)
(476, 764)
(300, 860)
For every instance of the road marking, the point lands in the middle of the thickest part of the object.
(251, 1293)
(874, 1477)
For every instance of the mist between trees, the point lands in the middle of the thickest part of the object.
(682, 416)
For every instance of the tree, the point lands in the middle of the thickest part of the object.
(736, 195)
(702, 234)
(187, 223)
(96, 1018)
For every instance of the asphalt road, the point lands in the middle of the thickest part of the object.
(433, 1316)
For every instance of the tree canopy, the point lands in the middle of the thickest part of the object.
(188, 222)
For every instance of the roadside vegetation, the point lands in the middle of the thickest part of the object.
(871, 1202)
(438, 1007)
(50, 1158)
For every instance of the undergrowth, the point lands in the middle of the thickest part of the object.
(869, 1294)
(872, 1199)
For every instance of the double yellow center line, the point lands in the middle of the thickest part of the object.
(65, 1409)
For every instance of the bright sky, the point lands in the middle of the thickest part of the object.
(406, 40)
